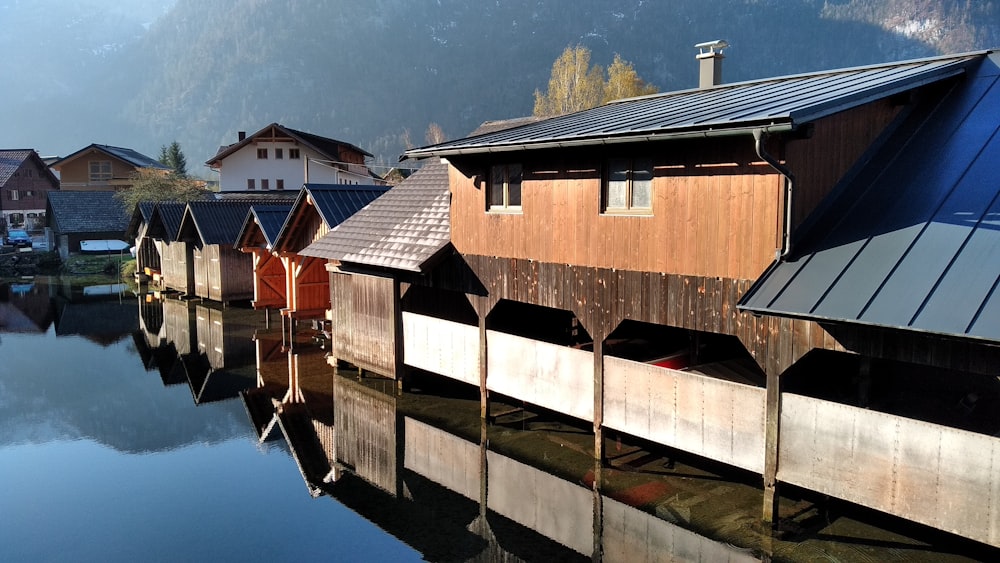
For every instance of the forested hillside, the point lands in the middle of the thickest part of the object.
(377, 72)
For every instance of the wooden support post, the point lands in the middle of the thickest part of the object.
(267, 318)
(771, 435)
(484, 395)
(598, 554)
(599, 398)
(399, 369)
(864, 381)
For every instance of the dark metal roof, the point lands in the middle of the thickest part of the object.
(86, 212)
(268, 219)
(402, 230)
(166, 220)
(334, 203)
(130, 156)
(215, 221)
(776, 103)
(326, 146)
(914, 243)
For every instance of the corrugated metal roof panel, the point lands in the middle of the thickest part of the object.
(919, 246)
(785, 101)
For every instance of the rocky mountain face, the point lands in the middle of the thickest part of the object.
(376, 73)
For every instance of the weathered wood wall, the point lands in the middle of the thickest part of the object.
(366, 433)
(178, 329)
(442, 457)
(933, 474)
(364, 310)
(178, 266)
(603, 298)
(443, 347)
(230, 274)
(710, 417)
(548, 375)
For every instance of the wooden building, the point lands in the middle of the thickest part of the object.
(373, 258)
(209, 229)
(175, 255)
(317, 209)
(719, 269)
(257, 238)
(78, 216)
(25, 182)
(103, 168)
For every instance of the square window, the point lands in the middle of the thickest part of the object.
(100, 170)
(262, 154)
(293, 154)
(265, 184)
(279, 184)
(279, 154)
(628, 185)
(504, 187)
(251, 184)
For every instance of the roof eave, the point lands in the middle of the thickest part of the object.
(748, 129)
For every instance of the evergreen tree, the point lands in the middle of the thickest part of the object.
(173, 157)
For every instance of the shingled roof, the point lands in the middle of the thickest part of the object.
(401, 230)
(11, 160)
(86, 212)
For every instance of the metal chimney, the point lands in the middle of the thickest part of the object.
(710, 62)
(241, 135)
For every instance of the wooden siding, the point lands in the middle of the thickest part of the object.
(603, 298)
(269, 280)
(713, 418)
(309, 286)
(933, 474)
(691, 229)
(837, 142)
(443, 458)
(177, 323)
(223, 274)
(177, 273)
(366, 436)
(363, 310)
(548, 375)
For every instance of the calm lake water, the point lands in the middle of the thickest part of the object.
(175, 431)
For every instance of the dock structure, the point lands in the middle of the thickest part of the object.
(793, 276)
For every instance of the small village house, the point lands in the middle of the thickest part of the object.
(77, 216)
(102, 168)
(281, 158)
(25, 181)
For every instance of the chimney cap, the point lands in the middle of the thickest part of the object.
(711, 48)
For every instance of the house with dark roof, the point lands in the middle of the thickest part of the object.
(102, 168)
(381, 264)
(792, 276)
(76, 216)
(257, 237)
(25, 181)
(208, 230)
(279, 158)
(171, 267)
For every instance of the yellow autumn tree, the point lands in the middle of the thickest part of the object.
(624, 82)
(575, 85)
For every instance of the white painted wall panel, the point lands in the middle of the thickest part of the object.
(936, 475)
(633, 536)
(710, 417)
(443, 458)
(443, 347)
(557, 509)
(551, 376)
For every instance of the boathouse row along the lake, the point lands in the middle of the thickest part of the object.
(793, 276)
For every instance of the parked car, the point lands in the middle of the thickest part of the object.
(18, 237)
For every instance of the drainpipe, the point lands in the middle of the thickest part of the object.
(759, 137)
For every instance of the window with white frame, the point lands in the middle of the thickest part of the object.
(628, 185)
(503, 187)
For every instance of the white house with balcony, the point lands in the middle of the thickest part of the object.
(280, 158)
